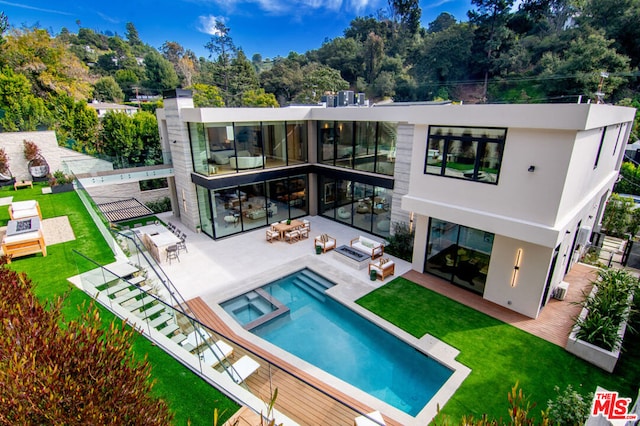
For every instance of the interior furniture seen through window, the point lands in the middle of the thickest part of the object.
(459, 254)
(471, 153)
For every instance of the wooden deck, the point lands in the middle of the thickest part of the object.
(311, 406)
(555, 320)
(299, 401)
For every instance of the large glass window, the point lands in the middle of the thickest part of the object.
(206, 213)
(199, 148)
(326, 142)
(297, 142)
(356, 204)
(465, 152)
(275, 144)
(459, 254)
(344, 144)
(365, 153)
(386, 151)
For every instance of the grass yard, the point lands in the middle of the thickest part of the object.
(189, 398)
(497, 353)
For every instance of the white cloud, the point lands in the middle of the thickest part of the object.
(293, 7)
(207, 24)
(437, 4)
(39, 9)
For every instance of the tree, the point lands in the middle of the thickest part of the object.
(107, 89)
(284, 80)
(160, 74)
(442, 22)
(491, 34)
(243, 78)
(119, 139)
(4, 26)
(205, 95)
(373, 54)
(581, 64)
(344, 55)
(68, 372)
(221, 46)
(148, 138)
(258, 98)
(47, 63)
(22, 110)
(406, 14)
(318, 80)
(444, 56)
(132, 35)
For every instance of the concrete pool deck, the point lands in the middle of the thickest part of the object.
(215, 271)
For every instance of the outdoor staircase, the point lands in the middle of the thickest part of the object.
(313, 284)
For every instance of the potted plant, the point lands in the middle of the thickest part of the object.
(5, 174)
(38, 167)
(60, 182)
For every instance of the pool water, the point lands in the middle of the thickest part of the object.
(330, 336)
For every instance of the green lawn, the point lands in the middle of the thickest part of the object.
(497, 353)
(189, 397)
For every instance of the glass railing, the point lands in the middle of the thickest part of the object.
(137, 289)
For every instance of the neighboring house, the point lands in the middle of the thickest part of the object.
(502, 198)
(104, 107)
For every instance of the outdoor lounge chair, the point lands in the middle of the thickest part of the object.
(325, 241)
(216, 353)
(24, 209)
(243, 368)
(383, 267)
(368, 420)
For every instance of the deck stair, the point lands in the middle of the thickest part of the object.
(131, 294)
(155, 309)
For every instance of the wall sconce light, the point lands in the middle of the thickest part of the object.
(175, 141)
(516, 268)
(531, 169)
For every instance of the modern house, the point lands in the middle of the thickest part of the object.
(503, 198)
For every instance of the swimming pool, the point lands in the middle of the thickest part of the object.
(326, 334)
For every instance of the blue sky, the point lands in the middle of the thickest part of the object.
(268, 27)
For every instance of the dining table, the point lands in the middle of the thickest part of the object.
(156, 238)
(283, 228)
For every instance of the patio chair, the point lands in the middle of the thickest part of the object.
(272, 235)
(172, 253)
(243, 368)
(304, 232)
(383, 268)
(292, 236)
(325, 241)
(182, 245)
(306, 224)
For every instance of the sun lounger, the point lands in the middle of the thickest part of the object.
(368, 419)
(218, 351)
(243, 368)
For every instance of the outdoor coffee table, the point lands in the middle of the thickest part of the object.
(22, 184)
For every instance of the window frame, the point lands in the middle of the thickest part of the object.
(480, 143)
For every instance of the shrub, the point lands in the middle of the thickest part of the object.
(401, 242)
(60, 178)
(4, 161)
(68, 373)
(159, 206)
(569, 408)
(608, 307)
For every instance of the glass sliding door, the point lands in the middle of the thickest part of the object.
(227, 211)
(459, 254)
(344, 201)
(253, 209)
(205, 210)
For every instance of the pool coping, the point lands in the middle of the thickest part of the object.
(346, 291)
